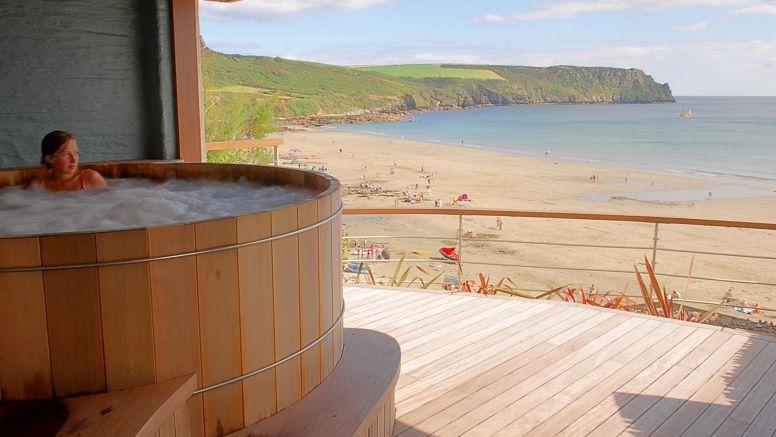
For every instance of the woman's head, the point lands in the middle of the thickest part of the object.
(59, 150)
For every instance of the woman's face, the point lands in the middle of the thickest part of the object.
(65, 159)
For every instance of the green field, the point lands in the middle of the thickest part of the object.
(420, 71)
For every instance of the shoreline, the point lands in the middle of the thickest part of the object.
(721, 186)
(367, 116)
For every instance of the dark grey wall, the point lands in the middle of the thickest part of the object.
(101, 69)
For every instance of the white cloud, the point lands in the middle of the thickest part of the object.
(759, 8)
(270, 10)
(693, 27)
(571, 8)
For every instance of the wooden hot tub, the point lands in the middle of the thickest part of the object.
(223, 298)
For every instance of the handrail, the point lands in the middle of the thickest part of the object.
(248, 144)
(656, 220)
(562, 215)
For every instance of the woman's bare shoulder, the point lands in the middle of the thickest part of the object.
(93, 179)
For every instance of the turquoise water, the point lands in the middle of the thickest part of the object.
(727, 137)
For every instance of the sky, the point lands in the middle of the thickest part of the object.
(698, 47)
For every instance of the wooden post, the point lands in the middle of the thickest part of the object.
(188, 83)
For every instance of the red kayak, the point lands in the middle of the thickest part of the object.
(449, 253)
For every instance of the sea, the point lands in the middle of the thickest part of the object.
(731, 138)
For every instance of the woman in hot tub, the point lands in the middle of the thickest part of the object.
(59, 153)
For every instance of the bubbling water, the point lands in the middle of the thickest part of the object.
(133, 203)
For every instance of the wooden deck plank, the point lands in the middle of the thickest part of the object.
(400, 302)
(506, 366)
(609, 406)
(439, 320)
(440, 338)
(422, 328)
(455, 341)
(567, 387)
(764, 423)
(419, 312)
(675, 398)
(747, 410)
(504, 338)
(469, 411)
(364, 297)
(635, 406)
(370, 299)
(499, 411)
(716, 386)
(383, 309)
(568, 412)
(716, 413)
(440, 395)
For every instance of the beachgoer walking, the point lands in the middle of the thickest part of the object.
(499, 223)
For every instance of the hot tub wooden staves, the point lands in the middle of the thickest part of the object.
(92, 312)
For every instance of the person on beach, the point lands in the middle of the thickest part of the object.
(59, 153)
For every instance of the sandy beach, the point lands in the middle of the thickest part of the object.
(381, 171)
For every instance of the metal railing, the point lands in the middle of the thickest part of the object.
(655, 249)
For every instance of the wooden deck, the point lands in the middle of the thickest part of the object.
(476, 365)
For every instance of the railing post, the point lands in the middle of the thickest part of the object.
(654, 249)
(460, 247)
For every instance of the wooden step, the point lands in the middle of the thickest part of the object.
(140, 411)
(357, 399)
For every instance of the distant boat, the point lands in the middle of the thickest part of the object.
(686, 113)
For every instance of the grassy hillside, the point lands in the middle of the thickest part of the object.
(306, 88)
(420, 71)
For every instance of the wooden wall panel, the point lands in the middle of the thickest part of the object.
(309, 296)
(257, 321)
(285, 270)
(73, 315)
(188, 83)
(25, 371)
(326, 280)
(125, 302)
(219, 312)
(176, 311)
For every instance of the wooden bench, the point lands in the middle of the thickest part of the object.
(148, 410)
(357, 399)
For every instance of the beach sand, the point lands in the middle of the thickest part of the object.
(495, 180)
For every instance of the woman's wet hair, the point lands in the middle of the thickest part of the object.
(51, 142)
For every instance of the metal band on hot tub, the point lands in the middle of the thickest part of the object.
(177, 255)
(280, 361)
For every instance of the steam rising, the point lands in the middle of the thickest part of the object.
(132, 203)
